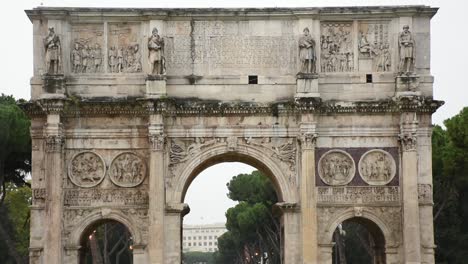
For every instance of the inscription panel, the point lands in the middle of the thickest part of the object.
(223, 47)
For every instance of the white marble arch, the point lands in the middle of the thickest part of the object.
(389, 243)
(245, 153)
(73, 243)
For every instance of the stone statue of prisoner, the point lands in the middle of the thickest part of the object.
(53, 52)
(406, 42)
(307, 52)
(156, 56)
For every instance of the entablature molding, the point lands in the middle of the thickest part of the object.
(187, 107)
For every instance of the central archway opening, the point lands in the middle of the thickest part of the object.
(106, 242)
(358, 241)
(231, 217)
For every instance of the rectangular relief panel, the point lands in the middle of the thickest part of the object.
(124, 45)
(374, 49)
(337, 46)
(87, 49)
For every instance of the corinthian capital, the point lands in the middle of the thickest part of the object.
(308, 140)
(408, 141)
(157, 141)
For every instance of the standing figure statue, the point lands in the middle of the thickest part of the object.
(53, 52)
(113, 59)
(76, 58)
(96, 54)
(307, 52)
(156, 56)
(85, 56)
(406, 42)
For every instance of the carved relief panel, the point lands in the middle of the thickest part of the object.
(336, 44)
(86, 169)
(127, 170)
(124, 48)
(374, 46)
(336, 167)
(377, 167)
(87, 48)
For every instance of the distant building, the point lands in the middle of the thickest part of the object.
(202, 238)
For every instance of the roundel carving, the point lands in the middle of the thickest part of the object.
(127, 170)
(86, 169)
(336, 167)
(377, 167)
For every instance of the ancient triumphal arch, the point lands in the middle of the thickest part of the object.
(333, 104)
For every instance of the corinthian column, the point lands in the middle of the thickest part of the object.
(409, 160)
(156, 187)
(54, 171)
(308, 199)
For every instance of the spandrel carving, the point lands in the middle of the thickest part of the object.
(86, 169)
(86, 55)
(377, 167)
(336, 47)
(124, 48)
(336, 167)
(53, 52)
(373, 44)
(127, 170)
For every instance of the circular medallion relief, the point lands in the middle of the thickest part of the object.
(86, 169)
(336, 167)
(377, 167)
(127, 170)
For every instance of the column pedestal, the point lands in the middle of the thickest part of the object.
(156, 86)
(307, 85)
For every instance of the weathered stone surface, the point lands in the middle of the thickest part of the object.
(331, 114)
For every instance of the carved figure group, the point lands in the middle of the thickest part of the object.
(87, 169)
(86, 59)
(125, 59)
(156, 58)
(377, 167)
(53, 51)
(127, 170)
(406, 43)
(336, 48)
(336, 168)
(307, 52)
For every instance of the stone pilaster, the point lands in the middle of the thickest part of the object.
(173, 232)
(409, 163)
(156, 139)
(291, 226)
(54, 171)
(308, 199)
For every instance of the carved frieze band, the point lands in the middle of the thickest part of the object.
(99, 197)
(358, 195)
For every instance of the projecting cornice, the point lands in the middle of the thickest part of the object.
(195, 107)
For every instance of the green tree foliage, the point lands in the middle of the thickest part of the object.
(252, 229)
(198, 258)
(15, 164)
(450, 175)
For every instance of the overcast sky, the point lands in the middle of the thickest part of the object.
(449, 61)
